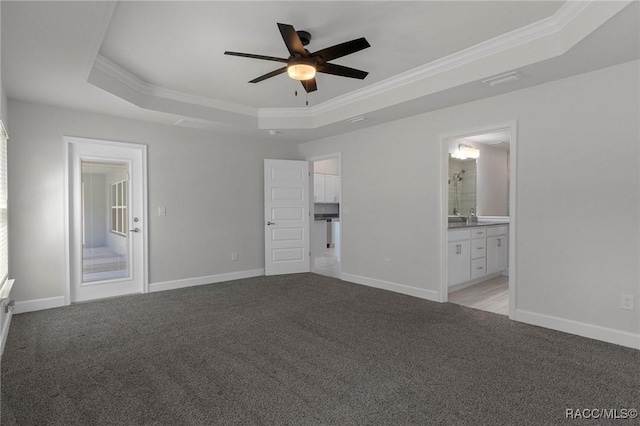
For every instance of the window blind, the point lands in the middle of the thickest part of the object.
(4, 229)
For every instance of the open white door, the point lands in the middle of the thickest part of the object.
(286, 217)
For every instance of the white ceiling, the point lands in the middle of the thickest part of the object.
(500, 139)
(163, 61)
(180, 45)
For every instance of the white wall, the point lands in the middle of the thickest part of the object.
(577, 208)
(211, 185)
(493, 182)
(329, 166)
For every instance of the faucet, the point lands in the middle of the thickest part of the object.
(472, 214)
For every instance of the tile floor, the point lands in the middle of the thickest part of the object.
(491, 296)
(327, 264)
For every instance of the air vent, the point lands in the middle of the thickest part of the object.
(358, 119)
(192, 124)
(503, 79)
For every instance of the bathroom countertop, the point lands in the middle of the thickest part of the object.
(462, 225)
(326, 216)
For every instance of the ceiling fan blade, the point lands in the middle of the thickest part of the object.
(292, 40)
(342, 71)
(342, 49)
(309, 85)
(269, 75)
(250, 55)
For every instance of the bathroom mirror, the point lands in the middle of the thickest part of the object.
(462, 186)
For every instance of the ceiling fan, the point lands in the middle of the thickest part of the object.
(303, 65)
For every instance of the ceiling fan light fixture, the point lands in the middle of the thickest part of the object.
(301, 71)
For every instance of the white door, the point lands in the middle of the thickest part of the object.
(286, 217)
(107, 219)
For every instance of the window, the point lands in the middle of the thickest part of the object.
(119, 207)
(4, 232)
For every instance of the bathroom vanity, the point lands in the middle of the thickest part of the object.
(476, 252)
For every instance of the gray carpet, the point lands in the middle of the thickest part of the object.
(301, 350)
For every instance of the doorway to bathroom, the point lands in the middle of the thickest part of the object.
(478, 209)
(327, 229)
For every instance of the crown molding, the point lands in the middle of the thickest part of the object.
(518, 37)
(402, 87)
(136, 83)
(97, 38)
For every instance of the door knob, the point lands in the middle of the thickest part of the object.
(134, 230)
(271, 223)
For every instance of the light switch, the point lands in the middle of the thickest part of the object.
(162, 211)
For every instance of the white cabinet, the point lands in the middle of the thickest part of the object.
(335, 226)
(497, 249)
(320, 237)
(326, 188)
(459, 257)
(336, 189)
(476, 252)
(318, 187)
(329, 189)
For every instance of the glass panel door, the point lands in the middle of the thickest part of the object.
(105, 236)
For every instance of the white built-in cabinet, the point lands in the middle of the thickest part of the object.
(332, 181)
(497, 253)
(320, 236)
(459, 255)
(318, 187)
(326, 188)
(476, 252)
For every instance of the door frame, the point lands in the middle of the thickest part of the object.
(337, 155)
(512, 126)
(67, 141)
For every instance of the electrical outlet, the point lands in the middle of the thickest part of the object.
(387, 263)
(234, 256)
(627, 302)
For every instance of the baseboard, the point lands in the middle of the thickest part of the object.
(210, 279)
(391, 286)
(5, 330)
(591, 331)
(38, 304)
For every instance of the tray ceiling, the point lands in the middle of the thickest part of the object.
(164, 62)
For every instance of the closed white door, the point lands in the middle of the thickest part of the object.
(286, 217)
(107, 219)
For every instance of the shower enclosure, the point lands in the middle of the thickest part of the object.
(462, 186)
